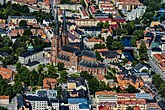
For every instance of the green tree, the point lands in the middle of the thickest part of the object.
(120, 12)
(162, 17)
(86, 75)
(131, 89)
(130, 27)
(117, 45)
(100, 24)
(59, 91)
(40, 68)
(3, 108)
(99, 46)
(27, 32)
(143, 52)
(15, 13)
(98, 56)
(22, 23)
(102, 86)
(60, 66)
(75, 75)
(63, 77)
(17, 87)
(162, 89)
(157, 80)
(51, 69)
(106, 25)
(33, 78)
(129, 108)
(125, 60)
(25, 9)
(40, 80)
(93, 85)
(109, 41)
(138, 34)
(18, 66)
(133, 41)
(110, 16)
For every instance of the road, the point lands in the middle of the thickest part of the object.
(155, 68)
(13, 104)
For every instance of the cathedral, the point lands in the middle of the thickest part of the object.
(73, 57)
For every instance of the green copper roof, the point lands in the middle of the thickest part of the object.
(30, 48)
(155, 44)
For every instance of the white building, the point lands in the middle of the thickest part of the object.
(43, 99)
(136, 13)
(90, 42)
(31, 55)
(83, 13)
(2, 2)
(70, 7)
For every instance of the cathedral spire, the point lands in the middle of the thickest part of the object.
(56, 21)
(64, 26)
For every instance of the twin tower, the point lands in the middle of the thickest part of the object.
(60, 36)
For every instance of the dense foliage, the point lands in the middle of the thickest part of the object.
(19, 10)
(152, 7)
(159, 84)
(93, 83)
(9, 90)
(143, 52)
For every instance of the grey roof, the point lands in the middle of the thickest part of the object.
(79, 81)
(79, 32)
(162, 104)
(63, 57)
(109, 54)
(28, 53)
(148, 34)
(71, 36)
(69, 49)
(78, 53)
(138, 66)
(2, 31)
(4, 54)
(91, 28)
(141, 74)
(130, 77)
(91, 64)
(22, 17)
(36, 98)
(89, 53)
(20, 101)
(32, 63)
(155, 49)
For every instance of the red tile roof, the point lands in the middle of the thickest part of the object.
(118, 20)
(93, 9)
(126, 95)
(6, 73)
(131, 102)
(84, 12)
(48, 80)
(102, 50)
(104, 19)
(105, 93)
(160, 57)
(93, 39)
(114, 26)
(4, 97)
(136, 108)
(100, 77)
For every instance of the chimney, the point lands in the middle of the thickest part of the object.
(82, 42)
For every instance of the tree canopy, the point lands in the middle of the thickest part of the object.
(143, 52)
(159, 84)
(22, 23)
